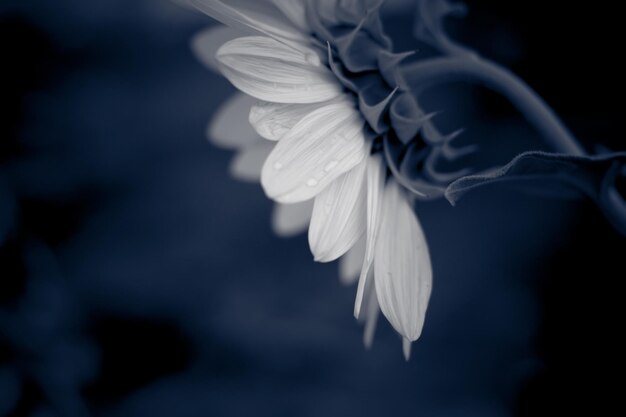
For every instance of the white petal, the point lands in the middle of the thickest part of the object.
(372, 311)
(375, 184)
(350, 263)
(291, 219)
(272, 120)
(338, 218)
(205, 44)
(323, 145)
(248, 163)
(229, 127)
(402, 269)
(268, 70)
(406, 348)
(252, 16)
(295, 11)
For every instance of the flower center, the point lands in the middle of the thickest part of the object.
(361, 57)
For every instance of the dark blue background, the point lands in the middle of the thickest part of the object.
(138, 279)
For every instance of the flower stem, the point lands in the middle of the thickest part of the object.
(503, 81)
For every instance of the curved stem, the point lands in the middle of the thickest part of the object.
(491, 75)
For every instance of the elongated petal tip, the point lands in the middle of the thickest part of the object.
(371, 316)
(403, 272)
(369, 332)
(375, 178)
(406, 348)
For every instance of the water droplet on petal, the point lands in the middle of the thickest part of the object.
(311, 182)
(329, 166)
(278, 166)
(312, 58)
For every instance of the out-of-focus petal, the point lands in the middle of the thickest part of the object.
(253, 17)
(402, 269)
(268, 70)
(229, 128)
(406, 348)
(317, 150)
(372, 311)
(338, 219)
(248, 162)
(291, 219)
(272, 120)
(295, 11)
(350, 263)
(375, 185)
(205, 44)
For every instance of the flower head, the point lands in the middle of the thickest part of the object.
(339, 137)
(327, 92)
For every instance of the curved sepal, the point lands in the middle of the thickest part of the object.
(595, 176)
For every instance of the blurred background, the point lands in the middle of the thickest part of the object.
(138, 279)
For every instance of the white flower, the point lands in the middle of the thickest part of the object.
(309, 150)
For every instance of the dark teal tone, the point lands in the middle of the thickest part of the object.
(137, 279)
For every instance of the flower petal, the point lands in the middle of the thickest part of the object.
(372, 311)
(205, 44)
(338, 218)
(406, 348)
(291, 219)
(402, 269)
(228, 128)
(350, 263)
(268, 70)
(272, 120)
(375, 184)
(252, 16)
(248, 163)
(295, 11)
(323, 145)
